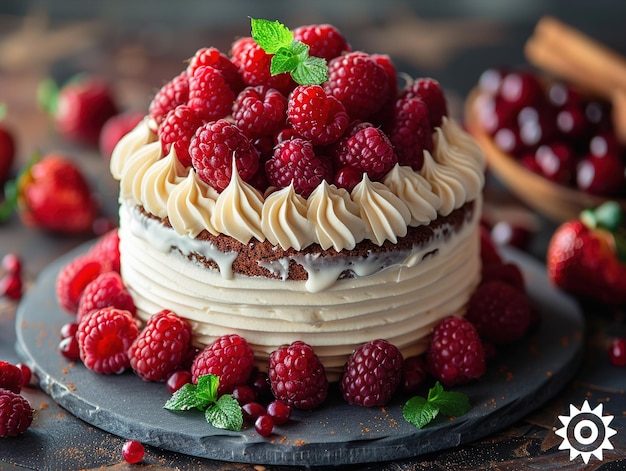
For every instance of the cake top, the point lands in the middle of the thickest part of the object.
(297, 139)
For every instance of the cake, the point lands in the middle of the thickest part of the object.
(335, 265)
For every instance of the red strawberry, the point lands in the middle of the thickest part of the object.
(115, 128)
(55, 196)
(81, 108)
(7, 149)
(584, 259)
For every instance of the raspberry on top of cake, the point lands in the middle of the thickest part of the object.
(244, 191)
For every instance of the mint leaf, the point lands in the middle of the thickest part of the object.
(207, 388)
(225, 414)
(311, 72)
(270, 35)
(283, 61)
(185, 399)
(419, 411)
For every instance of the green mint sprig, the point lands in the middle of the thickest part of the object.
(289, 55)
(421, 411)
(221, 412)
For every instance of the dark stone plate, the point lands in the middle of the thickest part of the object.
(519, 379)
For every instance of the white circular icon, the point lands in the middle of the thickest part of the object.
(585, 432)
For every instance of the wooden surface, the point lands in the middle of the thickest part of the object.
(137, 57)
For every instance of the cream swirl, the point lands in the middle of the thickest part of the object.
(284, 220)
(416, 192)
(446, 183)
(385, 215)
(135, 168)
(462, 140)
(238, 210)
(128, 145)
(335, 216)
(191, 205)
(159, 181)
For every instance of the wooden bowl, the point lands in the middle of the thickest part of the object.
(557, 202)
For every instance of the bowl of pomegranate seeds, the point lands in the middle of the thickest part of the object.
(550, 143)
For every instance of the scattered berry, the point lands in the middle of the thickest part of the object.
(177, 129)
(177, 379)
(161, 347)
(213, 148)
(260, 382)
(264, 425)
(372, 374)
(69, 329)
(69, 348)
(244, 394)
(499, 311)
(455, 354)
(12, 263)
(11, 286)
(279, 411)
(617, 351)
(229, 357)
(27, 374)
(107, 290)
(16, 414)
(171, 95)
(295, 162)
(414, 373)
(104, 337)
(297, 376)
(10, 377)
(133, 452)
(253, 410)
(316, 115)
(115, 128)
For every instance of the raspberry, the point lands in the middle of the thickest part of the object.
(324, 40)
(107, 250)
(210, 96)
(488, 252)
(358, 82)
(315, 115)
(16, 414)
(107, 290)
(229, 357)
(254, 66)
(414, 373)
(411, 133)
(161, 347)
(177, 129)
(104, 336)
(297, 377)
(10, 377)
(213, 148)
(369, 150)
(372, 374)
(430, 92)
(213, 57)
(295, 162)
(259, 111)
(115, 128)
(456, 354)
(508, 273)
(74, 277)
(500, 312)
(172, 94)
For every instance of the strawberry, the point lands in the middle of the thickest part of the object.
(586, 256)
(7, 148)
(115, 128)
(52, 194)
(79, 108)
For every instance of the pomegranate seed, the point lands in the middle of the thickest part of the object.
(27, 374)
(264, 425)
(11, 286)
(69, 348)
(261, 384)
(253, 410)
(279, 411)
(133, 452)
(177, 379)
(244, 394)
(617, 351)
(12, 263)
(69, 330)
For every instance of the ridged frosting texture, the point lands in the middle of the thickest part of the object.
(331, 217)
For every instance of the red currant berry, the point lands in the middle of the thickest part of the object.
(253, 410)
(27, 374)
(261, 384)
(244, 394)
(69, 348)
(617, 351)
(11, 286)
(507, 233)
(69, 330)
(12, 263)
(264, 425)
(133, 452)
(279, 411)
(177, 379)
(604, 175)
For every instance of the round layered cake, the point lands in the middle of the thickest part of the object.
(336, 264)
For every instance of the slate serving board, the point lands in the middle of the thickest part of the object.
(519, 379)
